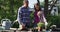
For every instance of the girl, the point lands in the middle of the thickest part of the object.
(38, 15)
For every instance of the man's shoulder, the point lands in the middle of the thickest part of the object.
(21, 7)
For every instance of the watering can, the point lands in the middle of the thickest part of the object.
(6, 24)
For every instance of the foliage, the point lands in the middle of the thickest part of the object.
(31, 19)
(9, 8)
(40, 24)
(53, 20)
(15, 25)
(32, 16)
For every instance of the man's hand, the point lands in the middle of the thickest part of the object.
(22, 26)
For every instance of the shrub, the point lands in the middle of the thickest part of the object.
(53, 20)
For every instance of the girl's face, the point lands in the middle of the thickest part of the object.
(37, 7)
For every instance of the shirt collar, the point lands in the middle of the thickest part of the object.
(23, 6)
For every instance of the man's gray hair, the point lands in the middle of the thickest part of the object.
(25, 1)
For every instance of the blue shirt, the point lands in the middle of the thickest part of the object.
(23, 15)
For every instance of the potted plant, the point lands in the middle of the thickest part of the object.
(40, 25)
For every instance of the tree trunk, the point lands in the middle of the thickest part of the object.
(38, 2)
(46, 8)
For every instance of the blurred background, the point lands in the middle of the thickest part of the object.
(51, 8)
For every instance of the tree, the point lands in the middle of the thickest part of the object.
(46, 8)
(52, 5)
(9, 8)
(46, 11)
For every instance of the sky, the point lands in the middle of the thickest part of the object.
(32, 2)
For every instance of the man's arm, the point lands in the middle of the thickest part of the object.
(19, 16)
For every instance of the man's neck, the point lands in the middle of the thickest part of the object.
(25, 6)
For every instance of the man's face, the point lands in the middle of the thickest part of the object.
(26, 4)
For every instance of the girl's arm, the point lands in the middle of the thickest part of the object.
(39, 13)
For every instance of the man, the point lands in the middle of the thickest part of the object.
(24, 15)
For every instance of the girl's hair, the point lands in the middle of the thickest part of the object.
(37, 5)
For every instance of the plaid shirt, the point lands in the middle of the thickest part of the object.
(23, 15)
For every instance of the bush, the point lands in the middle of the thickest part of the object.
(53, 20)
(15, 25)
(31, 19)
